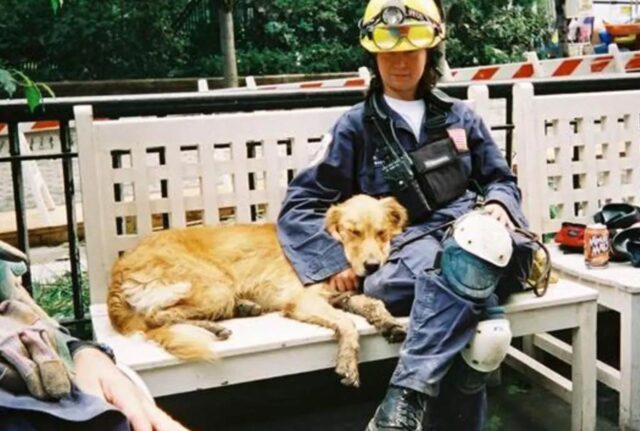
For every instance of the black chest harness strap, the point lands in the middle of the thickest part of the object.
(428, 178)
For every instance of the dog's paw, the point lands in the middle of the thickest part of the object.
(348, 370)
(223, 334)
(246, 308)
(219, 331)
(394, 332)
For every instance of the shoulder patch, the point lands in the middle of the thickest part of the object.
(459, 138)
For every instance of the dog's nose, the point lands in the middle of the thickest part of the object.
(371, 267)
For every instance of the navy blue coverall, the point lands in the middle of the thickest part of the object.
(441, 322)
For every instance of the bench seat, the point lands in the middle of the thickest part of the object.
(296, 347)
(620, 275)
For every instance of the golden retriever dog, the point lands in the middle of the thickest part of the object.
(177, 283)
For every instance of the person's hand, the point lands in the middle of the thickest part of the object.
(97, 375)
(344, 281)
(499, 213)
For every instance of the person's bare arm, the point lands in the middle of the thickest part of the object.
(96, 374)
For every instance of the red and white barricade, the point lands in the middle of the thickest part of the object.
(589, 65)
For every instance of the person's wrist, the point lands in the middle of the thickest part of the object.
(78, 346)
(92, 354)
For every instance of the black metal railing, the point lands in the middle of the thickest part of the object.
(61, 110)
(194, 13)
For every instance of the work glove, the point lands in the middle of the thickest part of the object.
(33, 355)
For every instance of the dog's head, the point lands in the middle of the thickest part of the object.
(365, 226)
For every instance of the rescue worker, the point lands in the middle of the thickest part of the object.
(437, 157)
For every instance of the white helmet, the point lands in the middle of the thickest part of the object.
(489, 345)
(485, 237)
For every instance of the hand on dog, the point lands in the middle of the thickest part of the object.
(97, 375)
(344, 281)
(499, 213)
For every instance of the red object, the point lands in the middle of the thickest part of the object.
(567, 67)
(525, 71)
(617, 30)
(602, 62)
(485, 73)
(571, 236)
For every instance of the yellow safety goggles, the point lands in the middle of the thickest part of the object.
(418, 34)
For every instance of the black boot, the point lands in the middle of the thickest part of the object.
(401, 410)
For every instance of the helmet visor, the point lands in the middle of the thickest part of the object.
(419, 34)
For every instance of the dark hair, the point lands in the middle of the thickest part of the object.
(429, 79)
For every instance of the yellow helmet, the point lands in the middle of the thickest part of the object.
(400, 25)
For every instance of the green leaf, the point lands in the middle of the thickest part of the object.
(7, 83)
(494, 424)
(56, 4)
(33, 95)
(26, 81)
(47, 89)
(516, 390)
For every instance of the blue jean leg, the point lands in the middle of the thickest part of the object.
(440, 325)
(454, 409)
(394, 283)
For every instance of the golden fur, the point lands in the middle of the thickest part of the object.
(176, 283)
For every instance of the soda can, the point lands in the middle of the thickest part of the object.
(596, 246)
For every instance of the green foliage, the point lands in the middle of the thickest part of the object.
(294, 36)
(92, 39)
(7, 82)
(55, 5)
(121, 39)
(517, 389)
(56, 296)
(10, 80)
(491, 32)
(494, 423)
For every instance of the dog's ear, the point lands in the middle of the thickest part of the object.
(332, 221)
(396, 213)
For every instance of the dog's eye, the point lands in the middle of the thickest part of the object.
(355, 232)
(381, 234)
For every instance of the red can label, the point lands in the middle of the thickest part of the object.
(596, 246)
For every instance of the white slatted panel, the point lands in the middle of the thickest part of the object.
(605, 166)
(272, 178)
(241, 181)
(175, 178)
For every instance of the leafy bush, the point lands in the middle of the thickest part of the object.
(118, 39)
(89, 39)
(492, 32)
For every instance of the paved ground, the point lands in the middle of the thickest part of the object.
(316, 402)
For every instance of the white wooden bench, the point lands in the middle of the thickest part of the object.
(570, 171)
(215, 166)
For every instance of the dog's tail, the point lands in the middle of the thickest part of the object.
(187, 342)
(184, 341)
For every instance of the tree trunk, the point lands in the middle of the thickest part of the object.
(227, 42)
(563, 28)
